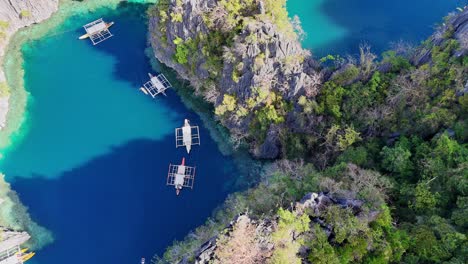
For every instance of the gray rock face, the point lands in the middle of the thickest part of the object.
(270, 148)
(11, 239)
(260, 59)
(458, 24)
(192, 24)
(206, 252)
(460, 27)
(22, 13)
(314, 204)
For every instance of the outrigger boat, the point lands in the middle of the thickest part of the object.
(187, 136)
(97, 31)
(181, 176)
(156, 85)
(105, 27)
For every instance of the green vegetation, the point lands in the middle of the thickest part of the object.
(176, 17)
(276, 12)
(182, 50)
(289, 223)
(4, 90)
(3, 27)
(388, 135)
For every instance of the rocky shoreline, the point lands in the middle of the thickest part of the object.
(15, 15)
(263, 73)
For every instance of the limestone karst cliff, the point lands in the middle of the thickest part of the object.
(245, 57)
(401, 116)
(243, 51)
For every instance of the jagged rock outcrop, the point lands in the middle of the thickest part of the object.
(318, 203)
(281, 67)
(456, 25)
(10, 239)
(258, 64)
(255, 235)
(15, 14)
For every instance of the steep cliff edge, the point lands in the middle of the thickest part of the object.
(16, 14)
(402, 117)
(456, 26)
(244, 57)
(242, 53)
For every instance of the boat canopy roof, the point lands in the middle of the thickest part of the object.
(156, 85)
(95, 26)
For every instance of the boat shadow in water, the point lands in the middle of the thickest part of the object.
(117, 208)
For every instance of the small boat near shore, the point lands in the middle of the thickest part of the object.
(187, 136)
(156, 85)
(97, 31)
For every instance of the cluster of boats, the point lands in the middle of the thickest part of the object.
(180, 176)
(183, 176)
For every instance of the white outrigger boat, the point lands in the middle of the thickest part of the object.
(156, 85)
(187, 136)
(181, 176)
(97, 31)
(107, 26)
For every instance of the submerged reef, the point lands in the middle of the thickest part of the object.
(14, 216)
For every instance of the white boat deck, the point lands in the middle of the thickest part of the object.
(97, 31)
(180, 175)
(156, 85)
(187, 136)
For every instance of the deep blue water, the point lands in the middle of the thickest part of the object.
(92, 166)
(340, 26)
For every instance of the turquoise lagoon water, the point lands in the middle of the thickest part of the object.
(92, 166)
(340, 26)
